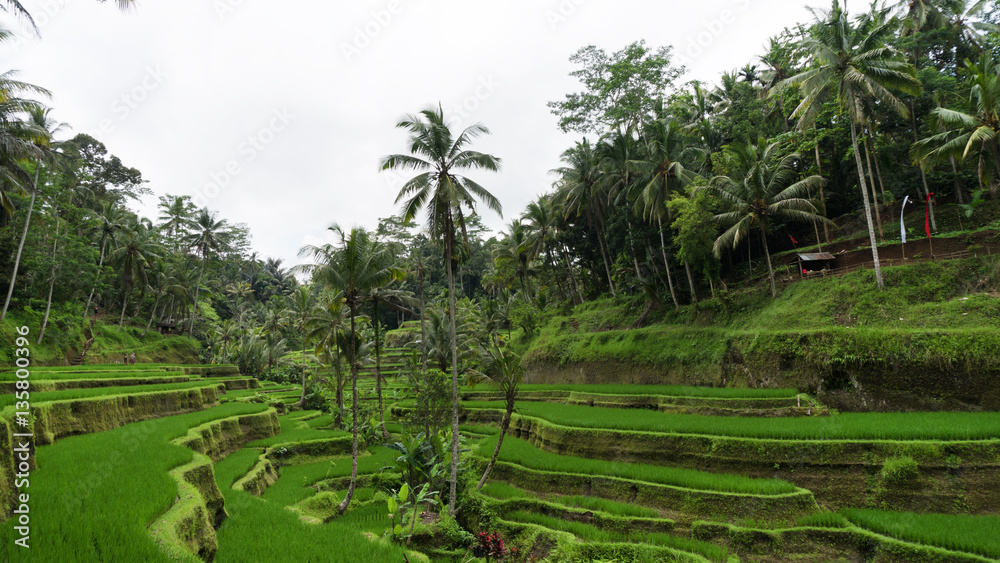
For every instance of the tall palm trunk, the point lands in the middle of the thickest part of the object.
(302, 398)
(340, 389)
(666, 266)
(822, 200)
(20, 247)
(770, 271)
(52, 276)
(868, 211)
(694, 294)
(450, 246)
(871, 176)
(604, 256)
(504, 425)
(153, 315)
(197, 288)
(342, 507)
(378, 369)
(572, 276)
(923, 175)
(423, 330)
(100, 264)
(121, 321)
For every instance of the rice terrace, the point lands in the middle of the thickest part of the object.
(698, 316)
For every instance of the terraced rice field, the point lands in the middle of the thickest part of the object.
(137, 469)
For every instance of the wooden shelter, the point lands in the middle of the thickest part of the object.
(815, 263)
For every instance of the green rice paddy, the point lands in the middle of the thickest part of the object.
(847, 426)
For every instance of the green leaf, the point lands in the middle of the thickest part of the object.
(392, 505)
(404, 492)
(398, 530)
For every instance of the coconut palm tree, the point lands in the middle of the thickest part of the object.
(133, 258)
(39, 130)
(394, 298)
(440, 155)
(358, 264)
(326, 327)
(761, 187)
(301, 307)
(662, 174)
(856, 66)
(973, 135)
(505, 372)
(111, 220)
(208, 234)
(578, 194)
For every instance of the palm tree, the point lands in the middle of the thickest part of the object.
(133, 258)
(354, 267)
(856, 66)
(439, 155)
(301, 301)
(326, 327)
(208, 235)
(175, 216)
(761, 187)
(40, 131)
(390, 297)
(975, 134)
(111, 220)
(579, 195)
(506, 373)
(662, 175)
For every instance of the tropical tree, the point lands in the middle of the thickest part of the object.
(326, 326)
(760, 188)
(133, 258)
(208, 234)
(35, 135)
(111, 220)
(578, 194)
(354, 267)
(663, 174)
(856, 66)
(301, 306)
(505, 371)
(439, 155)
(386, 296)
(973, 135)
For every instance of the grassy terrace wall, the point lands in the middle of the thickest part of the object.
(951, 475)
(926, 342)
(95, 414)
(188, 527)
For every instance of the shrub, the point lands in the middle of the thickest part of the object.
(900, 469)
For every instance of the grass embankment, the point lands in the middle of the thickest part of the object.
(943, 316)
(522, 453)
(94, 496)
(846, 426)
(504, 491)
(70, 394)
(288, 538)
(591, 533)
(654, 390)
(67, 333)
(969, 534)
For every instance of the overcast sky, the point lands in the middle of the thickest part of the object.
(276, 114)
